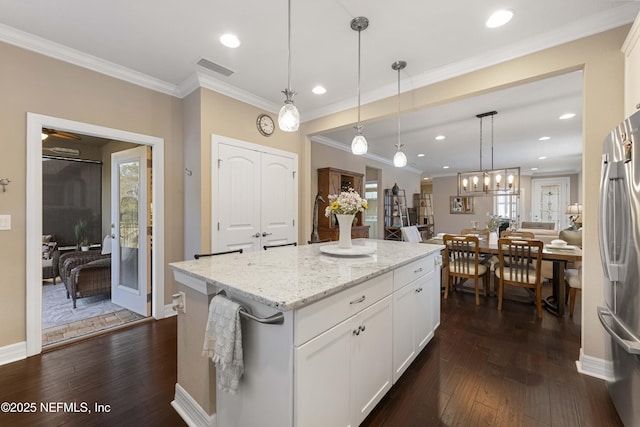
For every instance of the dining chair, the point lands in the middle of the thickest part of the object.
(198, 256)
(520, 264)
(476, 232)
(461, 254)
(573, 279)
(411, 234)
(518, 234)
(282, 244)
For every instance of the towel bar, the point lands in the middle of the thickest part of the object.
(276, 319)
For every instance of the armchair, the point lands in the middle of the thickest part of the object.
(85, 273)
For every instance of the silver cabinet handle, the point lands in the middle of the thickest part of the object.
(356, 331)
(362, 328)
(418, 289)
(418, 270)
(256, 235)
(358, 301)
(265, 234)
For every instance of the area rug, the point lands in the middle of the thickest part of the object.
(60, 321)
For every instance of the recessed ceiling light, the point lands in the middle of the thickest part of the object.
(544, 138)
(319, 90)
(445, 167)
(567, 116)
(534, 169)
(440, 137)
(499, 18)
(542, 157)
(426, 178)
(230, 40)
(421, 155)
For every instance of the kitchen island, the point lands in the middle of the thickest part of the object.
(341, 331)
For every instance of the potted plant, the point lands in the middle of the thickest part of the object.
(79, 230)
(84, 245)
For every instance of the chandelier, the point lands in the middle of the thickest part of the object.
(489, 182)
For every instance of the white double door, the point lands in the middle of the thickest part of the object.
(254, 200)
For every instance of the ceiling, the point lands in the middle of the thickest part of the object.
(157, 45)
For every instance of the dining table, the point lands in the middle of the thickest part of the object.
(559, 255)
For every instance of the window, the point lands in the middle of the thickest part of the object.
(508, 206)
(71, 191)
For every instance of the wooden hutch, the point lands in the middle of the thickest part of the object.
(333, 181)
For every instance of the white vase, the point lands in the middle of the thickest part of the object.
(345, 222)
(493, 238)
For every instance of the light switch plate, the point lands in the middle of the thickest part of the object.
(5, 222)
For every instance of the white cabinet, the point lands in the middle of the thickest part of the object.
(370, 358)
(416, 312)
(346, 369)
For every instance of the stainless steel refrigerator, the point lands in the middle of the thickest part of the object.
(619, 232)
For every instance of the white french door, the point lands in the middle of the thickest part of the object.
(550, 197)
(130, 221)
(254, 196)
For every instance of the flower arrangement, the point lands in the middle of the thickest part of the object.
(494, 222)
(346, 203)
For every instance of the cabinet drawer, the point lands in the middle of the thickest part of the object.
(410, 272)
(318, 317)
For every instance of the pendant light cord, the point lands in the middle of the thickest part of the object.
(359, 32)
(289, 45)
(492, 141)
(399, 108)
(480, 143)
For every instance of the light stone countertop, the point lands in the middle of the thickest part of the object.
(290, 277)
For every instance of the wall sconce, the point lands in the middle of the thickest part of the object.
(4, 182)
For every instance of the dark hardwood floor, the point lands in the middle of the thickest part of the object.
(491, 368)
(132, 370)
(482, 368)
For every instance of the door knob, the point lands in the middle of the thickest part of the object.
(265, 234)
(256, 235)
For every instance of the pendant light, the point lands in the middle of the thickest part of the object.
(489, 182)
(399, 159)
(359, 143)
(289, 117)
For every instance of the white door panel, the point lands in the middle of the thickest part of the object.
(238, 199)
(130, 198)
(277, 199)
(254, 200)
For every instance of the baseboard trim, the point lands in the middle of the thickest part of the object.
(169, 311)
(190, 411)
(593, 366)
(13, 352)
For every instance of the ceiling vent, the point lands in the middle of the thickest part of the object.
(215, 67)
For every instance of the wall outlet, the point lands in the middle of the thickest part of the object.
(5, 222)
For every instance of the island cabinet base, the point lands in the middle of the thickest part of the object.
(331, 361)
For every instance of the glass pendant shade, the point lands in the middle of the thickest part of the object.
(399, 159)
(289, 118)
(359, 144)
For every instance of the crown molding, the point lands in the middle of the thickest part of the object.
(200, 80)
(54, 50)
(607, 20)
(338, 146)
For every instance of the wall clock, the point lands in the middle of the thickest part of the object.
(265, 125)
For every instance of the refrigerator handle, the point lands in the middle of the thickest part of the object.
(630, 346)
(603, 235)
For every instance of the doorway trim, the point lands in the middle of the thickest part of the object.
(35, 123)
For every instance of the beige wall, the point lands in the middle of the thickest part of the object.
(600, 58)
(323, 156)
(30, 82)
(445, 187)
